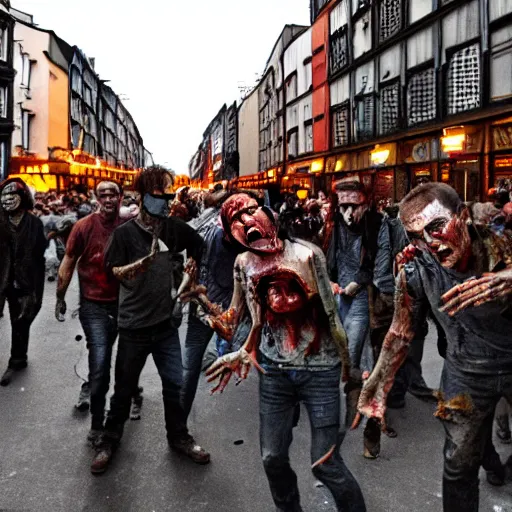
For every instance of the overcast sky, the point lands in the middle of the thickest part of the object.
(177, 61)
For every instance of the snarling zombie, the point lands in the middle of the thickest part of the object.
(85, 250)
(351, 253)
(294, 337)
(463, 273)
(24, 275)
(142, 256)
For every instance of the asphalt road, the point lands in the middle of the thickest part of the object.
(44, 457)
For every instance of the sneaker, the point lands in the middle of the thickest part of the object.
(7, 377)
(84, 398)
(102, 459)
(191, 449)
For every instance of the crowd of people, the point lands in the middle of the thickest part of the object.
(310, 292)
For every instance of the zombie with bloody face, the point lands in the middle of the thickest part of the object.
(351, 253)
(463, 273)
(297, 342)
(25, 272)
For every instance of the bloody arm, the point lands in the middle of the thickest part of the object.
(132, 270)
(66, 269)
(372, 402)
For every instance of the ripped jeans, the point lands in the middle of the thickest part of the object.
(468, 432)
(319, 391)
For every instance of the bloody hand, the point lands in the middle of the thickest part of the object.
(238, 362)
(476, 292)
(404, 257)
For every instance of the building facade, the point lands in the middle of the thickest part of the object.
(70, 127)
(6, 85)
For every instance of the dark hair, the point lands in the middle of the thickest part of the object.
(150, 179)
(419, 197)
(352, 186)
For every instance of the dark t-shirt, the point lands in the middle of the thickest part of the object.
(146, 300)
(479, 338)
(87, 241)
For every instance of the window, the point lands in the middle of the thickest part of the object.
(76, 81)
(420, 48)
(76, 131)
(389, 112)
(460, 26)
(3, 101)
(293, 144)
(362, 35)
(308, 133)
(291, 88)
(364, 121)
(501, 64)
(4, 53)
(3, 160)
(421, 97)
(340, 126)
(308, 76)
(390, 18)
(26, 68)
(317, 6)
(418, 9)
(499, 8)
(26, 119)
(463, 80)
(339, 50)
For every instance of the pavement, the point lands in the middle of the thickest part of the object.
(45, 459)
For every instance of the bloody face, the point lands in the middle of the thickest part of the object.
(108, 198)
(11, 197)
(250, 226)
(353, 205)
(444, 232)
(284, 296)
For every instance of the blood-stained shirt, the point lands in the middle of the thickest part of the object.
(88, 240)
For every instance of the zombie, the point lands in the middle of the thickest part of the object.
(216, 273)
(463, 273)
(297, 342)
(98, 301)
(141, 256)
(351, 254)
(24, 275)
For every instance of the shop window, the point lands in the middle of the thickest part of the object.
(389, 111)
(501, 64)
(308, 134)
(293, 144)
(421, 97)
(463, 80)
(341, 126)
(3, 101)
(499, 8)
(339, 50)
(364, 117)
(4, 49)
(390, 18)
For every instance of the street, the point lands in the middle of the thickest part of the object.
(45, 459)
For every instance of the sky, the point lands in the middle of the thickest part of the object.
(175, 62)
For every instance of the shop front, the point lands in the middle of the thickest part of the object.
(306, 176)
(420, 157)
(501, 160)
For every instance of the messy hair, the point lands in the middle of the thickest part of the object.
(152, 178)
(418, 198)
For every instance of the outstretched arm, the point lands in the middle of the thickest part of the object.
(132, 270)
(372, 402)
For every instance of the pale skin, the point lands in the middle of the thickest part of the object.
(109, 198)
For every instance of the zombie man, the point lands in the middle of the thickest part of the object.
(85, 249)
(141, 256)
(463, 273)
(297, 342)
(25, 274)
(351, 259)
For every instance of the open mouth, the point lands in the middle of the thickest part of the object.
(443, 252)
(253, 235)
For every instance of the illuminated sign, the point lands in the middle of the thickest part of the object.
(379, 156)
(453, 140)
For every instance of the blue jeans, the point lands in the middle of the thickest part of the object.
(196, 342)
(163, 343)
(468, 431)
(355, 317)
(280, 392)
(99, 322)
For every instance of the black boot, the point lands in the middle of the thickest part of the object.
(7, 377)
(135, 411)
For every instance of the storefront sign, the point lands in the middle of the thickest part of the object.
(383, 155)
(417, 151)
(502, 137)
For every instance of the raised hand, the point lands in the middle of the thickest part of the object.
(475, 292)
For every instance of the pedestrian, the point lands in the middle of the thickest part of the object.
(26, 244)
(297, 342)
(99, 292)
(141, 256)
(468, 268)
(216, 273)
